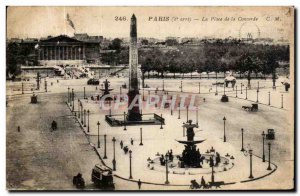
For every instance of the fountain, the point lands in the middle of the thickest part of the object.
(191, 156)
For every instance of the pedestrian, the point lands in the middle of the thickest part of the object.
(19, 129)
(121, 144)
(203, 183)
(139, 184)
(131, 141)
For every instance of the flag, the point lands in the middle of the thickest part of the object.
(70, 21)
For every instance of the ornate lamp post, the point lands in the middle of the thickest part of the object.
(263, 156)
(98, 135)
(141, 136)
(269, 166)
(104, 157)
(124, 121)
(224, 119)
(242, 140)
(250, 154)
(114, 159)
(167, 172)
(88, 124)
(130, 170)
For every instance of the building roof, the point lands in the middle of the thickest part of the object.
(61, 38)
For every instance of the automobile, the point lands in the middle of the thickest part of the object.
(93, 81)
(102, 177)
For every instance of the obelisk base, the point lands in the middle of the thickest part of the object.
(133, 113)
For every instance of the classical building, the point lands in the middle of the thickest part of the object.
(65, 50)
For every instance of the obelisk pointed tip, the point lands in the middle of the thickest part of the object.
(133, 16)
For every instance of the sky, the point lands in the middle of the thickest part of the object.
(36, 22)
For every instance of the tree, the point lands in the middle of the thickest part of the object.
(116, 45)
(13, 66)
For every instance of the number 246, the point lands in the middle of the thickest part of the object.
(120, 18)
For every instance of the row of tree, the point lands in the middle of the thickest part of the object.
(242, 58)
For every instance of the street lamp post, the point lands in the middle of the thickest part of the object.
(84, 118)
(187, 114)
(241, 88)
(149, 98)
(114, 159)
(281, 100)
(78, 101)
(46, 86)
(143, 94)
(197, 116)
(236, 91)
(72, 100)
(224, 88)
(216, 88)
(181, 85)
(141, 136)
(163, 85)
(269, 166)
(246, 93)
(224, 119)
(179, 111)
(167, 172)
(257, 91)
(269, 98)
(109, 102)
(68, 95)
(130, 170)
(263, 156)
(242, 140)
(183, 131)
(124, 122)
(104, 157)
(88, 124)
(250, 154)
(81, 110)
(23, 90)
(199, 87)
(98, 135)
(161, 121)
(84, 92)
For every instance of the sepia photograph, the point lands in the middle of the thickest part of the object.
(128, 98)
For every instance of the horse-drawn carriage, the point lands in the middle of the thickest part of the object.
(102, 177)
(253, 108)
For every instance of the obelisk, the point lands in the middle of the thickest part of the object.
(133, 91)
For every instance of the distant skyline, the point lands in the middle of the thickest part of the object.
(37, 22)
